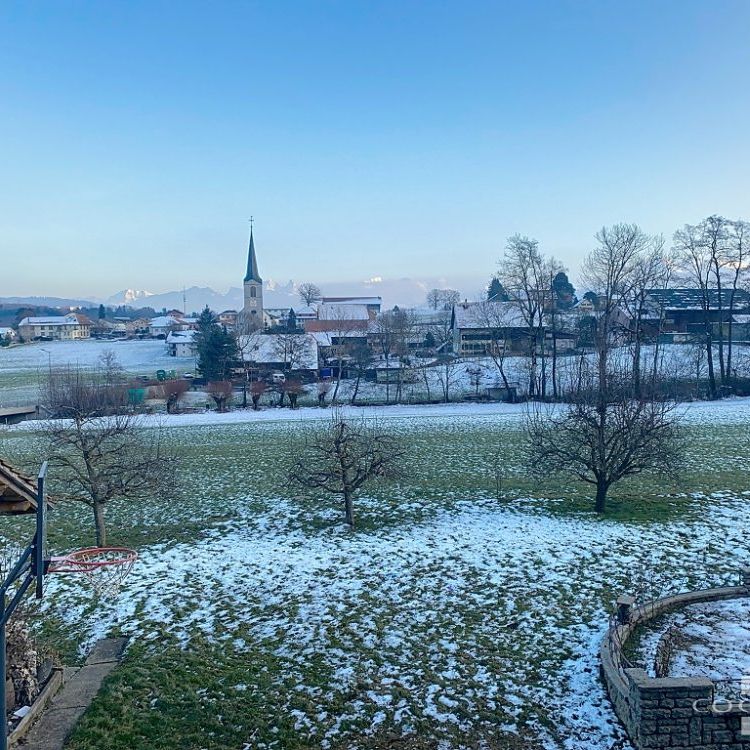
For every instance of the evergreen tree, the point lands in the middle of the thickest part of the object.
(291, 321)
(496, 291)
(217, 349)
(102, 312)
(565, 293)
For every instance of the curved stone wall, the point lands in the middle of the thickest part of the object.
(671, 713)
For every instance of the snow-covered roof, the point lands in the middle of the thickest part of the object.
(352, 300)
(50, 320)
(164, 321)
(274, 348)
(181, 337)
(325, 338)
(488, 315)
(339, 311)
(306, 311)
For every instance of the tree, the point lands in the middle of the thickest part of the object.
(736, 261)
(102, 312)
(496, 291)
(443, 299)
(291, 349)
(221, 392)
(565, 293)
(361, 358)
(604, 446)
(526, 273)
(257, 389)
(217, 349)
(173, 391)
(293, 389)
(344, 457)
(102, 452)
(291, 321)
(447, 374)
(309, 293)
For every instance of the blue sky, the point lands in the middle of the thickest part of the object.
(384, 139)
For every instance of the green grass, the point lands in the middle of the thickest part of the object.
(177, 687)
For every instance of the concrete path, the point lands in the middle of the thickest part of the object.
(80, 688)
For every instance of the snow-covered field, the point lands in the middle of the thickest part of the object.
(20, 366)
(449, 614)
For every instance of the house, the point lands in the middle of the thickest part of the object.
(55, 328)
(158, 328)
(228, 319)
(182, 343)
(341, 318)
(373, 304)
(681, 311)
(287, 352)
(481, 328)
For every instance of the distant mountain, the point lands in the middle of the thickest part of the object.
(48, 301)
(128, 297)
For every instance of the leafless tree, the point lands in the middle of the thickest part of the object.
(324, 388)
(602, 446)
(525, 272)
(173, 391)
(737, 263)
(392, 333)
(447, 372)
(293, 389)
(309, 293)
(443, 299)
(102, 452)
(257, 389)
(343, 457)
(695, 249)
(291, 349)
(361, 358)
(221, 392)
(497, 318)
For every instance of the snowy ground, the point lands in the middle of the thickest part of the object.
(20, 366)
(448, 614)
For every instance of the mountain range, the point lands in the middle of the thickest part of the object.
(405, 292)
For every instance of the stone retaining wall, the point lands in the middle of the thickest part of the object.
(672, 713)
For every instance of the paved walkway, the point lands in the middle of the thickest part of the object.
(67, 707)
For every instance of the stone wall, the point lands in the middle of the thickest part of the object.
(672, 713)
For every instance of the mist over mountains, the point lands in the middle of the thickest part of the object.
(404, 292)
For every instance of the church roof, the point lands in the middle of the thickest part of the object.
(252, 262)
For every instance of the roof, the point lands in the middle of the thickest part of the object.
(338, 311)
(692, 299)
(50, 320)
(181, 337)
(268, 348)
(483, 315)
(354, 300)
(17, 490)
(325, 338)
(164, 321)
(252, 262)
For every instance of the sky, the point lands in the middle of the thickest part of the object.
(368, 139)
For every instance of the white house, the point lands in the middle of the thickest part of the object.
(283, 351)
(182, 344)
(161, 326)
(55, 327)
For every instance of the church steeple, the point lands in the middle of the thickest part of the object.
(252, 262)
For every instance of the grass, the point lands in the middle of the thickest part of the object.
(451, 614)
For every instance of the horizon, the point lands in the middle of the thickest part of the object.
(367, 141)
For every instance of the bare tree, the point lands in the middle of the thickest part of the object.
(257, 389)
(736, 261)
(604, 446)
(526, 274)
(102, 453)
(174, 391)
(447, 374)
(443, 299)
(309, 293)
(221, 392)
(291, 349)
(293, 389)
(343, 457)
(361, 359)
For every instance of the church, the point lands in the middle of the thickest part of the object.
(252, 310)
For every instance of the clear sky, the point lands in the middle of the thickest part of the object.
(368, 139)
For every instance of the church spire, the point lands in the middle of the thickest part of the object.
(252, 262)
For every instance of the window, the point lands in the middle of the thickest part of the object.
(253, 291)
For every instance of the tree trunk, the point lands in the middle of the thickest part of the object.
(600, 505)
(101, 531)
(348, 508)
(554, 360)
(710, 360)
(356, 387)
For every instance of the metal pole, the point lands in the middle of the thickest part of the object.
(3, 677)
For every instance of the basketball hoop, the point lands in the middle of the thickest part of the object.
(105, 568)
